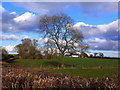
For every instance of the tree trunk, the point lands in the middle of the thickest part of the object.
(62, 60)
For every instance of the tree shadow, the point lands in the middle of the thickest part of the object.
(56, 64)
(53, 64)
(69, 65)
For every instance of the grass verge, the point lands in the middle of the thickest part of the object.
(88, 73)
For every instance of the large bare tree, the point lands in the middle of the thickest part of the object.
(59, 29)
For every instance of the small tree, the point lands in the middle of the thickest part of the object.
(95, 54)
(91, 55)
(3, 53)
(83, 55)
(28, 49)
(101, 55)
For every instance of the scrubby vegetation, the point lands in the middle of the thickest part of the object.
(15, 77)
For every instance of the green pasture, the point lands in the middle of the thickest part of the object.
(68, 62)
(88, 73)
(74, 62)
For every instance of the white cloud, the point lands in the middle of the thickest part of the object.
(25, 17)
(12, 23)
(97, 40)
(24, 36)
(13, 37)
(108, 31)
(43, 40)
(9, 48)
(8, 37)
(102, 44)
(1, 8)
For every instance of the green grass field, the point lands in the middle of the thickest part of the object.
(68, 62)
(88, 73)
(87, 63)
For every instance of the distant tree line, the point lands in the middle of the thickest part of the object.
(97, 55)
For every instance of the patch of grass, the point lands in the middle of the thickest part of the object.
(88, 73)
(30, 62)
(13, 54)
(91, 62)
(68, 62)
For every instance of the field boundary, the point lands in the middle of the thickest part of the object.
(98, 67)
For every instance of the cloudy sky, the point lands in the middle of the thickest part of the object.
(98, 21)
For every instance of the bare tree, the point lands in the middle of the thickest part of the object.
(101, 55)
(95, 54)
(83, 55)
(28, 49)
(59, 29)
(3, 53)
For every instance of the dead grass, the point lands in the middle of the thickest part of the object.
(16, 77)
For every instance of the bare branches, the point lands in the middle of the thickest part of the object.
(28, 49)
(60, 29)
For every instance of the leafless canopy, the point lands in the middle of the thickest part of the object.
(28, 49)
(60, 31)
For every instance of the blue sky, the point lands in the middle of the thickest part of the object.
(96, 20)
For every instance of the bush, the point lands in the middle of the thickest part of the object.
(4, 54)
